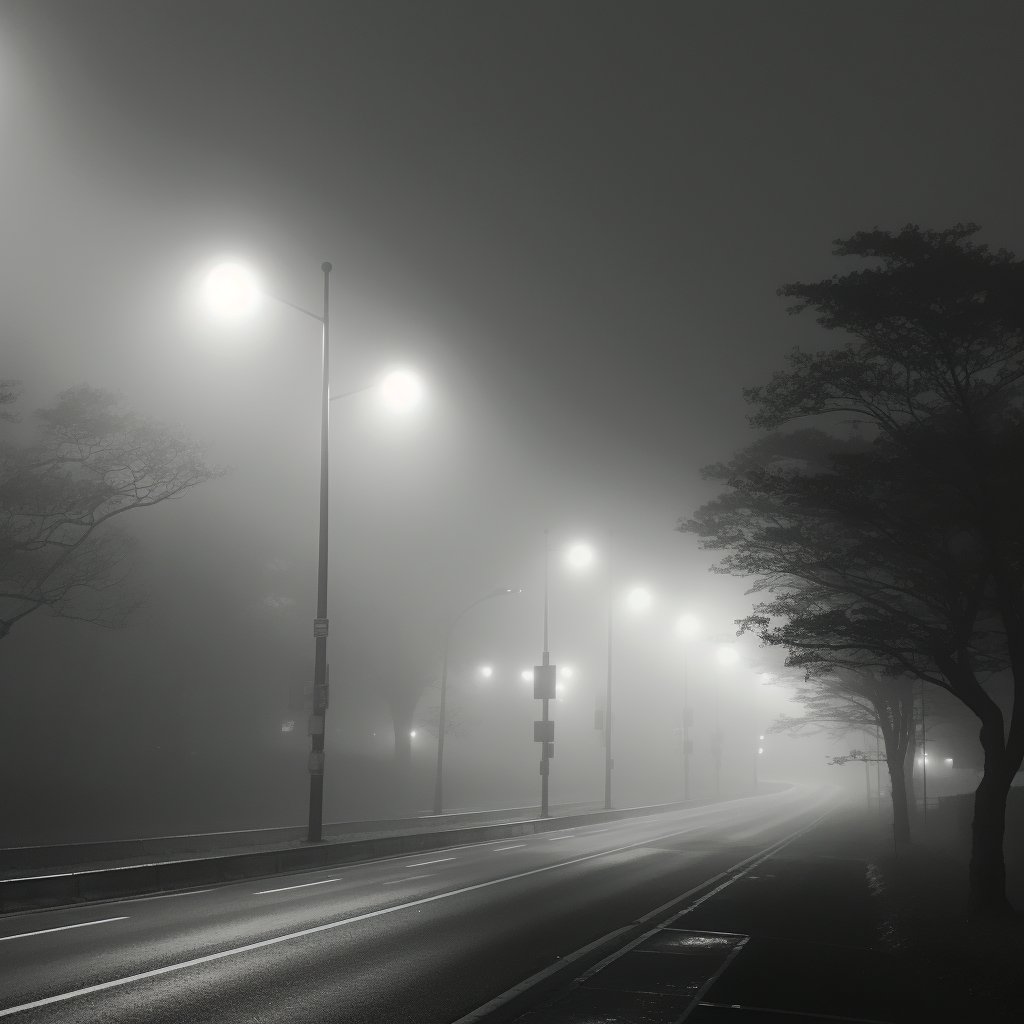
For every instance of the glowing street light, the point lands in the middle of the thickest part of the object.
(401, 391)
(639, 599)
(526, 675)
(687, 626)
(230, 290)
(486, 671)
(727, 656)
(580, 555)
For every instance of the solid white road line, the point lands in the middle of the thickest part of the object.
(516, 846)
(424, 863)
(316, 929)
(63, 928)
(304, 885)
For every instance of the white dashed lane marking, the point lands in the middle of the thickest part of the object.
(62, 928)
(305, 885)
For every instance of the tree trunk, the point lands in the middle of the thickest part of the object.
(987, 869)
(900, 812)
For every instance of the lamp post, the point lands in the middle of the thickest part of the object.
(544, 691)
(726, 656)
(580, 556)
(501, 591)
(686, 627)
(232, 291)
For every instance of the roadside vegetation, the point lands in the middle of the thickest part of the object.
(879, 515)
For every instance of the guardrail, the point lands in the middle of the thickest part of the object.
(90, 885)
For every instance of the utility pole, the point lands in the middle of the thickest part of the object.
(867, 773)
(609, 764)
(716, 743)
(924, 761)
(687, 723)
(544, 691)
(878, 768)
(320, 681)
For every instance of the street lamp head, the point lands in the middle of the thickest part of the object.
(728, 656)
(639, 599)
(401, 391)
(486, 671)
(687, 626)
(579, 555)
(230, 290)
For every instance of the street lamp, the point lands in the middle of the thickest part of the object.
(687, 626)
(580, 555)
(544, 690)
(231, 290)
(485, 671)
(727, 656)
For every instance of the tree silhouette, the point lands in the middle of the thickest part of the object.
(901, 544)
(91, 462)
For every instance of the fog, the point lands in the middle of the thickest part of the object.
(574, 235)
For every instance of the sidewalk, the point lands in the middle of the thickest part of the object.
(828, 929)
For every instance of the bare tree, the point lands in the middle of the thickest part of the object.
(89, 462)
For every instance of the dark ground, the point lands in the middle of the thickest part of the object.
(839, 928)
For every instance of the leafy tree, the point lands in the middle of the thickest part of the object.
(909, 550)
(844, 700)
(90, 462)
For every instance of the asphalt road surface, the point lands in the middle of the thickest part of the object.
(418, 938)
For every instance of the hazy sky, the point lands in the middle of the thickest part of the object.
(572, 217)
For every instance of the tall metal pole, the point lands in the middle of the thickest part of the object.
(924, 761)
(718, 749)
(320, 692)
(686, 721)
(756, 735)
(442, 716)
(442, 721)
(545, 764)
(878, 769)
(609, 763)
(867, 773)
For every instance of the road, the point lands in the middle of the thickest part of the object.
(418, 938)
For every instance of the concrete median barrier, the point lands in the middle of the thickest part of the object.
(97, 884)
